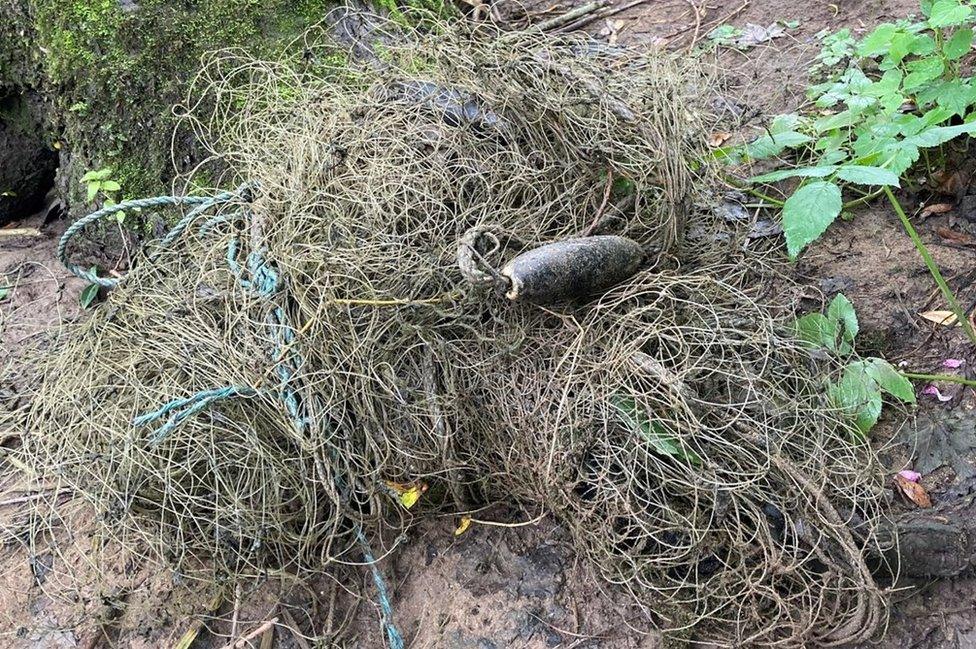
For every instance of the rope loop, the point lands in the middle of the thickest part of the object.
(244, 193)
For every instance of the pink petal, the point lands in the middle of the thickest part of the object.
(911, 476)
(953, 363)
(933, 391)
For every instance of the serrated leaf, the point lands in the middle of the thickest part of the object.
(958, 45)
(110, 186)
(940, 135)
(878, 41)
(841, 312)
(799, 172)
(769, 145)
(922, 71)
(858, 396)
(660, 440)
(89, 175)
(866, 175)
(946, 13)
(808, 212)
(890, 380)
(816, 330)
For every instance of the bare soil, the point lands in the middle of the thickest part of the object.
(517, 586)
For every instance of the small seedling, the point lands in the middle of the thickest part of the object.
(859, 391)
(90, 292)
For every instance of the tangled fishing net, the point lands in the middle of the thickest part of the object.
(244, 400)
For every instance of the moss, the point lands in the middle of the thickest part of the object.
(114, 74)
(113, 69)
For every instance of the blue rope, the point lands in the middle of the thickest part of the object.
(190, 406)
(263, 280)
(203, 203)
(393, 637)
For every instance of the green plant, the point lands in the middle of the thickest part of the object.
(100, 182)
(863, 381)
(900, 99)
(90, 293)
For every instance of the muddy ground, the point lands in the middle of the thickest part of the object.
(522, 586)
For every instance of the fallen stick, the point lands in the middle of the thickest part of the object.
(21, 232)
(599, 16)
(571, 15)
(253, 634)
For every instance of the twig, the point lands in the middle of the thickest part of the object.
(603, 205)
(21, 232)
(253, 634)
(613, 11)
(237, 611)
(292, 626)
(571, 15)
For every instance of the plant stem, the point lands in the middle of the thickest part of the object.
(933, 268)
(948, 378)
(864, 199)
(768, 199)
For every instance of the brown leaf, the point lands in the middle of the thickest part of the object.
(716, 140)
(956, 237)
(944, 318)
(952, 183)
(935, 208)
(913, 491)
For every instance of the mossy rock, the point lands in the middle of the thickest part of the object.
(111, 71)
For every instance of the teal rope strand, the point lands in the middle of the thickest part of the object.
(393, 637)
(190, 406)
(264, 281)
(203, 203)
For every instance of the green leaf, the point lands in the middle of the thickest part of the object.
(866, 175)
(89, 175)
(89, 295)
(841, 313)
(770, 145)
(831, 122)
(816, 330)
(878, 41)
(890, 380)
(799, 172)
(808, 212)
(957, 46)
(111, 186)
(946, 13)
(858, 396)
(637, 420)
(922, 71)
(940, 135)
(4, 293)
(92, 192)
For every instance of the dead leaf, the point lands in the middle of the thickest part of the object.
(463, 527)
(935, 208)
(753, 35)
(944, 318)
(913, 491)
(717, 139)
(408, 494)
(952, 183)
(956, 237)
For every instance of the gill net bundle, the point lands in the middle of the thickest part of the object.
(243, 399)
